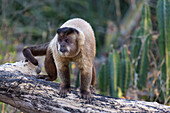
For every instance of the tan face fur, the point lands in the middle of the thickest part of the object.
(67, 45)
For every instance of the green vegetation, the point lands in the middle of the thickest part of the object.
(132, 36)
(142, 67)
(164, 40)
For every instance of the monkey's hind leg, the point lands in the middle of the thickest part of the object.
(93, 81)
(50, 68)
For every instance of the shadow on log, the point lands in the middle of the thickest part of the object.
(33, 95)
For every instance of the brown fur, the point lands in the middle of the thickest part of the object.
(79, 49)
(32, 51)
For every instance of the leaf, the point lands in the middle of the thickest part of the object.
(163, 14)
(145, 31)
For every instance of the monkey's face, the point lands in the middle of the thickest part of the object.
(67, 44)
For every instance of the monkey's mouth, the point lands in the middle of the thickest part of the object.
(66, 54)
(63, 52)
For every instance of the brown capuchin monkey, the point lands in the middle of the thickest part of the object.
(73, 42)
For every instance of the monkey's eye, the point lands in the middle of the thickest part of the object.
(67, 41)
(59, 40)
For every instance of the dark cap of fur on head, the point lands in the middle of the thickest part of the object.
(66, 30)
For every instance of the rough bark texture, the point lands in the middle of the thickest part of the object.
(33, 95)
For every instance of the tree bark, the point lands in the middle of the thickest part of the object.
(33, 95)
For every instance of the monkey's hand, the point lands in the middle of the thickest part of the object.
(63, 91)
(92, 89)
(38, 68)
(85, 94)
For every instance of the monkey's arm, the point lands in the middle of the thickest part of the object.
(32, 51)
(64, 75)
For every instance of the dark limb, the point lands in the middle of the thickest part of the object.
(93, 76)
(93, 81)
(64, 75)
(85, 81)
(32, 51)
(50, 68)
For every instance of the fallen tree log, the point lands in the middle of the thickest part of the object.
(33, 95)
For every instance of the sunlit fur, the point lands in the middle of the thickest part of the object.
(83, 55)
(80, 48)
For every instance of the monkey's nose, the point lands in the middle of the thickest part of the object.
(63, 50)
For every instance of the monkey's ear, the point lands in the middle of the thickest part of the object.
(81, 38)
(66, 30)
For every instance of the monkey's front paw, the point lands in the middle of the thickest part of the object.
(92, 89)
(38, 70)
(63, 92)
(85, 95)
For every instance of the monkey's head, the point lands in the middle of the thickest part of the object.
(69, 41)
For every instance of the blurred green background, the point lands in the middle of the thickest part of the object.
(132, 40)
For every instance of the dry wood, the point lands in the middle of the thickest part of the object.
(33, 95)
